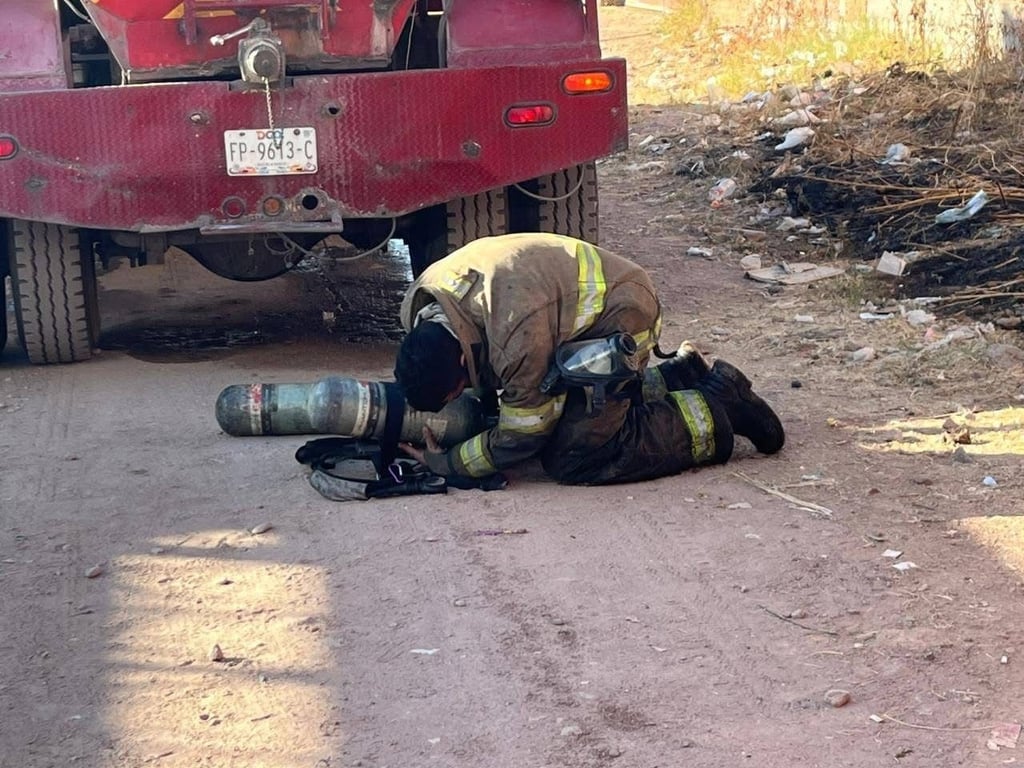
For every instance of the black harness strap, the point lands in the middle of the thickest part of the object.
(394, 405)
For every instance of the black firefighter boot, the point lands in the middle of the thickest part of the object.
(750, 416)
(685, 369)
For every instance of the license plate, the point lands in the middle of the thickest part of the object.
(270, 152)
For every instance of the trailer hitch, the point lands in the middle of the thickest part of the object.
(261, 56)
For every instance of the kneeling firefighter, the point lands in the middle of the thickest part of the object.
(564, 331)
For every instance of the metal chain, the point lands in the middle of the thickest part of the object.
(270, 110)
(278, 140)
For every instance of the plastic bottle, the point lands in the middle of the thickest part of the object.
(722, 191)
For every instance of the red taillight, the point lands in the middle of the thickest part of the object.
(530, 114)
(588, 82)
(8, 147)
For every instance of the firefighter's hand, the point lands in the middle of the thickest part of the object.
(431, 452)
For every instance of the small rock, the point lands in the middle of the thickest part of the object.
(919, 317)
(863, 355)
(1006, 355)
(216, 654)
(459, 603)
(572, 730)
(157, 551)
(799, 613)
(558, 622)
(92, 573)
(796, 384)
(960, 456)
(837, 698)
(261, 528)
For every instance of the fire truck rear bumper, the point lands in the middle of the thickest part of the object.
(151, 158)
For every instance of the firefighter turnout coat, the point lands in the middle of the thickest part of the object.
(512, 300)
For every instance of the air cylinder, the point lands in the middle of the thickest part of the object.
(342, 406)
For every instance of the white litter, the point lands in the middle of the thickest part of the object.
(898, 154)
(954, 215)
(795, 138)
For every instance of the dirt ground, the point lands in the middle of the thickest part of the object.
(851, 601)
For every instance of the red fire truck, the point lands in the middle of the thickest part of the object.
(244, 132)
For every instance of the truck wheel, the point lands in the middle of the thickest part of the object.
(563, 203)
(55, 304)
(470, 218)
(465, 219)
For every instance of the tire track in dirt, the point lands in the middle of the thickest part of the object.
(638, 677)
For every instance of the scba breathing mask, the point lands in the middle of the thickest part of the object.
(597, 364)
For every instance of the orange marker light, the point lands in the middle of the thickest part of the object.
(8, 147)
(532, 114)
(588, 82)
(273, 206)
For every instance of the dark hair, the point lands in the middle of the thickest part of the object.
(429, 366)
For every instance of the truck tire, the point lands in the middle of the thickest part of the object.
(563, 203)
(3, 311)
(465, 219)
(55, 303)
(470, 218)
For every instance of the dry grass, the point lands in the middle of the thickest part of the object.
(728, 52)
(964, 134)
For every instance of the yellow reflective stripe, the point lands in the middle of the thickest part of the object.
(592, 287)
(695, 412)
(456, 284)
(473, 455)
(531, 421)
(559, 402)
(644, 341)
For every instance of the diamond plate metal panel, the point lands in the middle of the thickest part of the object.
(151, 157)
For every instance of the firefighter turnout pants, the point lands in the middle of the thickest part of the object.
(629, 440)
